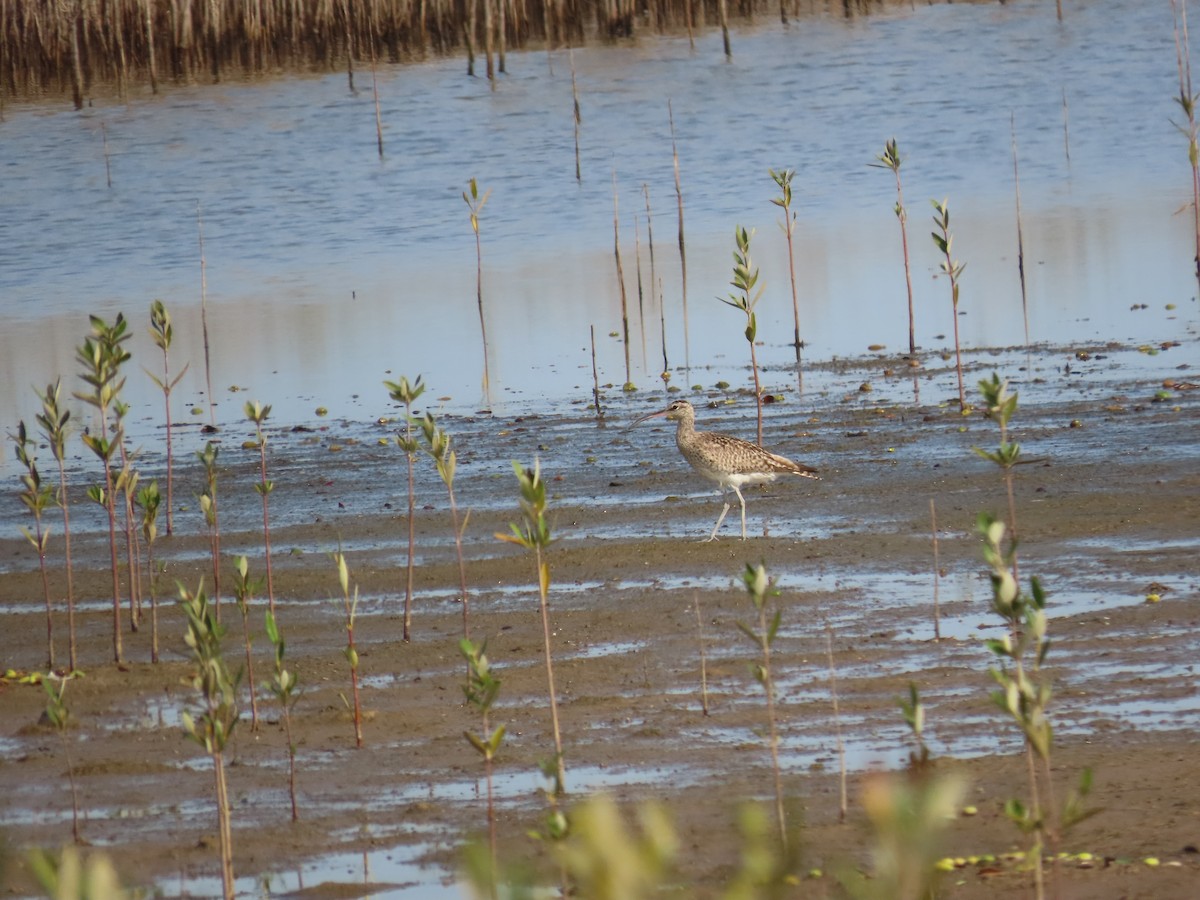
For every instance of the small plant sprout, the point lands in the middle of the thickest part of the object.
(149, 499)
(257, 413)
(891, 159)
(480, 689)
(475, 204)
(162, 333)
(218, 715)
(760, 587)
(438, 445)
(244, 589)
(783, 178)
(533, 533)
(101, 356)
(745, 298)
(913, 711)
(999, 406)
(406, 392)
(58, 714)
(944, 240)
(53, 421)
(208, 506)
(1025, 694)
(285, 687)
(349, 604)
(37, 498)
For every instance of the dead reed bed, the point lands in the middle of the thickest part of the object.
(82, 46)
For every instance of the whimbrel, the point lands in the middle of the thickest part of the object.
(727, 460)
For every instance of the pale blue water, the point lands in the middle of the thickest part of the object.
(328, 269)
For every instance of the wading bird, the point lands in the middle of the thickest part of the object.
(727, 460)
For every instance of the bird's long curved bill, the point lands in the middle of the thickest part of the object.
(641, 419)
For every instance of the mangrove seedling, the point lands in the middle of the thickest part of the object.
(53, 422)
(891, 159)
(480, 690)
(406, 392)
(533, 533)
(257, 413)
(783, 179)
(213, 726)
(101, 357)
(244, 589)
(1024, 694)
(475, 204)
(437, 443)
(745, 298)
(162, 333)
(149, 500)
(999, 406)
(943, 238)
(760, 587)
(127, 481)
(913, 711)
(285, 687)
(349, 605)
(59, 715)
(37, 497)
(208, 506)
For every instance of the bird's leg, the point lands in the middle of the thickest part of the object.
(741, 500)
(720, 519)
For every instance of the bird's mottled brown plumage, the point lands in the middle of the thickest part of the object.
(729, 461)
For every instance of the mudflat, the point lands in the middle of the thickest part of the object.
(1107, 509)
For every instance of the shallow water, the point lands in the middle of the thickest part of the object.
(329, 270)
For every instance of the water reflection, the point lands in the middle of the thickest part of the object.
(328, 269)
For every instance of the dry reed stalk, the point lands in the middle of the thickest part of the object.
(687, 355)
(107, 163)
(724, 16)
(641, 293)
(378, 116)
(621, 281)
(578, 118)
(1012, 122)
(1066, 128)
(212, 419)
(937, 574)
(596, 379)
(837, 724)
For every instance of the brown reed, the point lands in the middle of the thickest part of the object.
(81, 47)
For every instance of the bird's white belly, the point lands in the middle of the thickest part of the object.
(736, 479)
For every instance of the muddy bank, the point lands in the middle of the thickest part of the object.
(1107, 508)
